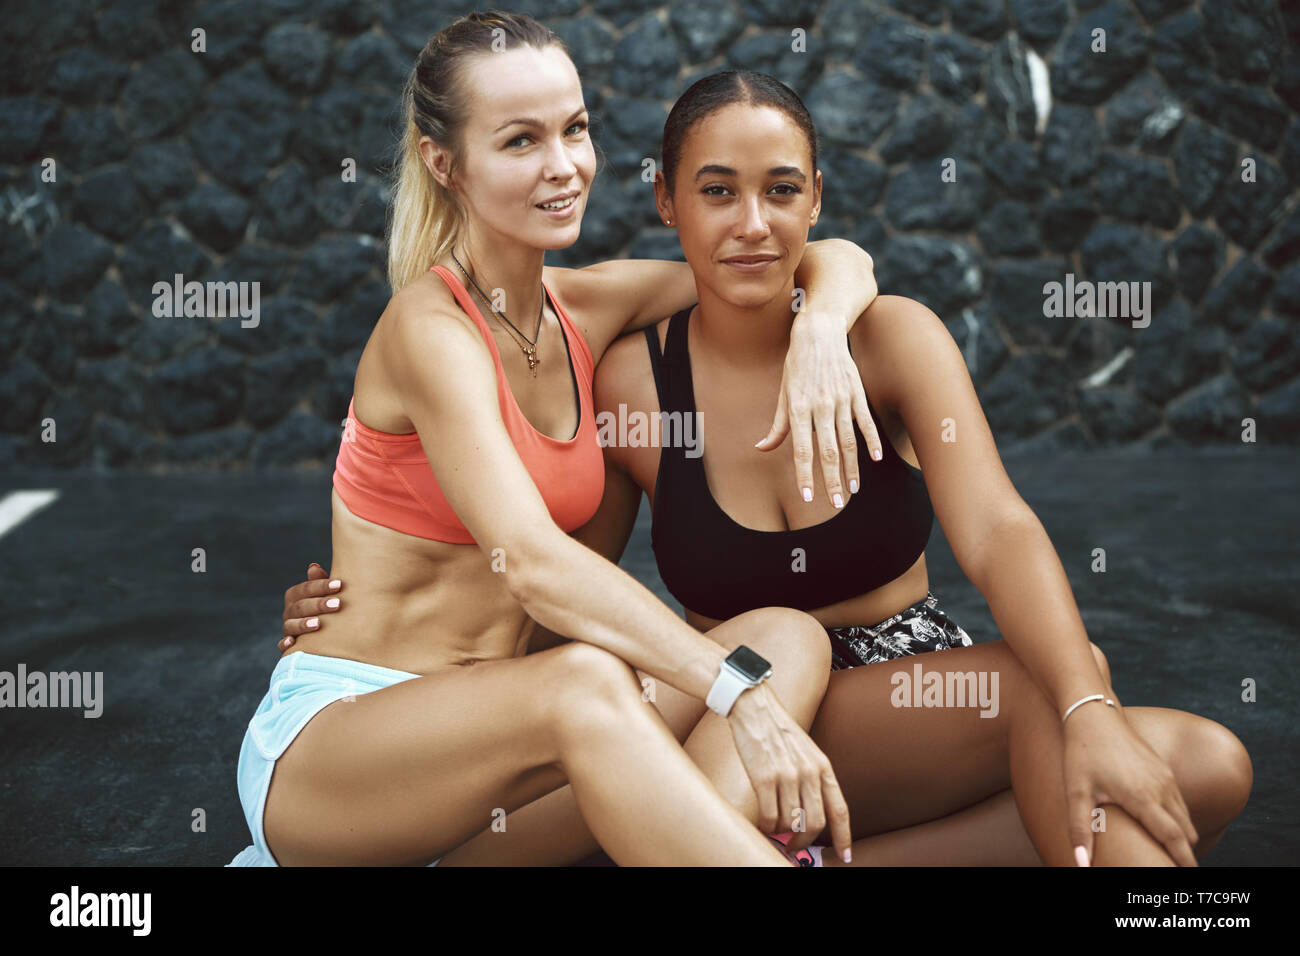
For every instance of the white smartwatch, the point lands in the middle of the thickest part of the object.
(741, 670)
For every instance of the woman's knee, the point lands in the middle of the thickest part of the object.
(794, 642)
(585, 682)
(1220, 754)
(601, 672)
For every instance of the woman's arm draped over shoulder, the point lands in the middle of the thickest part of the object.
(618, 296)
(821, 390)
(821, 387)
(838, 279)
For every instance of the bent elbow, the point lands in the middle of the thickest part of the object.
(1009, 534)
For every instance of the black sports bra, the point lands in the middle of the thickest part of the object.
(719, 568)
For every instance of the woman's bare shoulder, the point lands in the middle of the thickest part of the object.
(428, 293)
(421, 321)
(890, 316)
(891, 341)
(426, 306)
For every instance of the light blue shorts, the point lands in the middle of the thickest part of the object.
(302, 685)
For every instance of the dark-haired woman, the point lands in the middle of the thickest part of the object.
(470, 452)
(1010, 751)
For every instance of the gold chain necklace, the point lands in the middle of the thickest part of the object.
(530, 350)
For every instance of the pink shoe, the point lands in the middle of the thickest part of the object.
(809, 857)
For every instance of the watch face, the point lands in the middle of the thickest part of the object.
(748, 663)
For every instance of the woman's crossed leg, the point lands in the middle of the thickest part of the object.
(552, 832)
(401, 774)
(931, 785)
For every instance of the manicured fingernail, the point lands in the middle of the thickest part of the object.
(332, 602)
(848, 856)
(1081, 856)
(312, 622)
(807, 494)
(838, 499)
(875, 454)
(335, 585)
(853, 486)
(759, 443)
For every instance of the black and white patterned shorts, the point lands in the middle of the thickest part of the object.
(915, 630)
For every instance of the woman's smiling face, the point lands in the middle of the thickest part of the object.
(510, 167)
(743, 187)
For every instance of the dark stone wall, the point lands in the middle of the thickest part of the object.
(225, 166)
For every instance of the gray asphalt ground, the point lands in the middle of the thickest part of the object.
(1200, 594)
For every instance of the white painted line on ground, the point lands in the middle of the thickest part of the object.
(17, 506)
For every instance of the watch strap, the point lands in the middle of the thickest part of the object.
(728, 686)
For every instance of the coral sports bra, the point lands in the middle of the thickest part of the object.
(386, 478)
